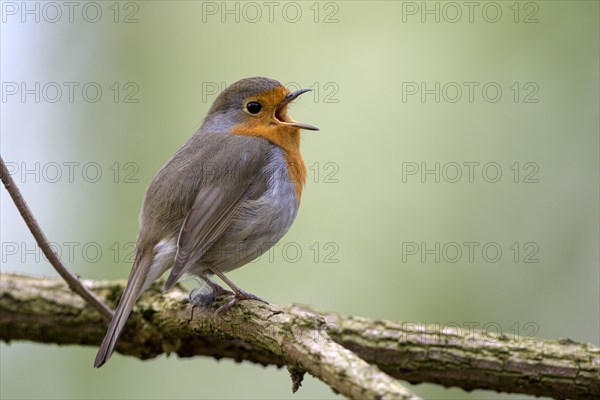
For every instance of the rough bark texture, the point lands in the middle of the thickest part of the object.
(325, 345)
(46, 310)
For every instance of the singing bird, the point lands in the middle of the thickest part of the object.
(226, 196)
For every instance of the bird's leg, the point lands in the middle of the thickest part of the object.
(217, 289)
(205, 299)
(239, 293)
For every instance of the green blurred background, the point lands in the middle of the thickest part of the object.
(360, 243)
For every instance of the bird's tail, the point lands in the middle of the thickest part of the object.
(134, 287)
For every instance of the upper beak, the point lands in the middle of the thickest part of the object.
(289, 121)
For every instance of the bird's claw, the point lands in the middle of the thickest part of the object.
(239, 296)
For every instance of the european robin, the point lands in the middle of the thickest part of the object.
(226, 196)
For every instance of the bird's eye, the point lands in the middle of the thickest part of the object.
(253, 107)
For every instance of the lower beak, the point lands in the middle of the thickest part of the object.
(287, 100)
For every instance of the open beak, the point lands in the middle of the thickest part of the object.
(281, 111)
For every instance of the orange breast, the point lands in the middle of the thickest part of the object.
(296, 171)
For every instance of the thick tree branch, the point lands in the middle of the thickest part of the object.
(45, 310)
(166, 324)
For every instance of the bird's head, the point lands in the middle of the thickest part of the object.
(256, 107)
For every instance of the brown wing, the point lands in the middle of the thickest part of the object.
(210, 215)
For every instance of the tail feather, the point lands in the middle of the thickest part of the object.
(132, 291)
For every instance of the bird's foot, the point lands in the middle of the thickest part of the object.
(239, 296)
(202, 298)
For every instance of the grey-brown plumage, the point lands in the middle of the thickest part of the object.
(222, 200)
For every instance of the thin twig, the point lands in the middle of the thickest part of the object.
(71, 279)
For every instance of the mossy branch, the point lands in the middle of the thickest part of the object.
(357, 357)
